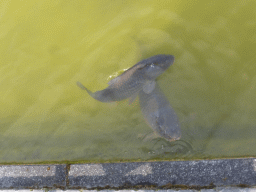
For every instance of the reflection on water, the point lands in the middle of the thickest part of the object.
(47, 46)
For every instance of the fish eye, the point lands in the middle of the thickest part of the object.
(148, 65)
(151, 64)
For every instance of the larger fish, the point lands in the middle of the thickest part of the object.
(141, 76)
(159, 114)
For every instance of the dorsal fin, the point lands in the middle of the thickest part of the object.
(125, 75)
(113, 81)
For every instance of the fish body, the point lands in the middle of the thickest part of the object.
(141, 76)
(159, 114)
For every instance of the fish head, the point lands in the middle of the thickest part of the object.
(174, 137)
(170, 133)
(167, 125)
(156, 65)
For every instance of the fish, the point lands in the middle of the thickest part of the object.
(141, 76)
(159, 114)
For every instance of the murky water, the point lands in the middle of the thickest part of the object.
(46, 46)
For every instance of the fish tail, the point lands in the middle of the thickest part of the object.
(84, 88)
(96, 95)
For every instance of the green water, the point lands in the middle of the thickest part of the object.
(46, 46)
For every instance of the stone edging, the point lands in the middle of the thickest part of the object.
(153, 175)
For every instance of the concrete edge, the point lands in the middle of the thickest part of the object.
(203, 174)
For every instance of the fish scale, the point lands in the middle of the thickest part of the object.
(133, 80)
(159, 114)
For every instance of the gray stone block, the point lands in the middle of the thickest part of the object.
(32, 176)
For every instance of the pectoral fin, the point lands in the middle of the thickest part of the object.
(149, 87)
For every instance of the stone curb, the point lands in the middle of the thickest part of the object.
(203, 174)
(228, 189)
(232, 189)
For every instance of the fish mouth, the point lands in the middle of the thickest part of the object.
(165, 61)
(174, 138)
(170, 58)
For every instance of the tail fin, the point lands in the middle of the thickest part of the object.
(83, 87)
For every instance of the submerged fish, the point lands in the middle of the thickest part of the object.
(141, 76)
(159, 114)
